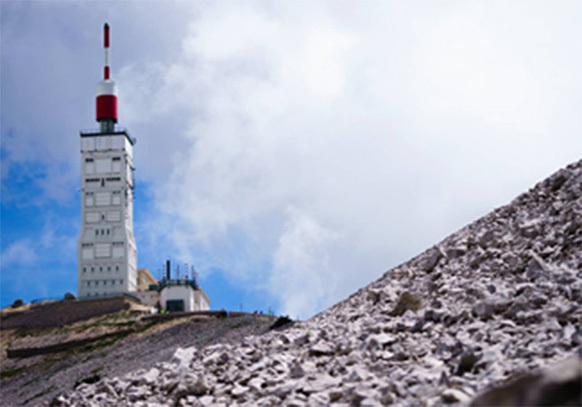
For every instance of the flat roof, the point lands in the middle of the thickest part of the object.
(98, 133)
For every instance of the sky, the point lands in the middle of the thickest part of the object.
(292, 151)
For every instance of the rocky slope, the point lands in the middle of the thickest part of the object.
(497, 298)
(36, 380)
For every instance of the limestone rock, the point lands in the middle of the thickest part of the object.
(559, 385)
(499, 297)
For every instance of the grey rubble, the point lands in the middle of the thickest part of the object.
(496, 299)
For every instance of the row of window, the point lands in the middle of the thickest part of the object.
(90, 251)
(109, 216)
(103, 199)
(99, 234)
(102, 165)
(102, 232)
(116, 143)
(110, 181)
(90, 160)
(95, 283)
(113, 181)
(101, 269)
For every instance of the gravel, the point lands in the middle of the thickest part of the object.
(498, 298)
(60, 372)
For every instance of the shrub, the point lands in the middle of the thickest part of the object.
(70, 297)
(17, 303)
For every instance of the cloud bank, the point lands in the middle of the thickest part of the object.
(304, 148)
(332, 144)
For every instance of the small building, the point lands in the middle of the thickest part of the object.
(182, 295)
(147, 288)
(145, 280)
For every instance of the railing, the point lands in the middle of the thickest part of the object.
(94, 132)
(118, 130)
(167, 283)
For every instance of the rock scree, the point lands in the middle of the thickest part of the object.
(493, 301)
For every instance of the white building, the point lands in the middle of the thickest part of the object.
(183, 295)
(107, 255)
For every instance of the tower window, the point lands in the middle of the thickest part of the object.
(92, 217)
(92, 269)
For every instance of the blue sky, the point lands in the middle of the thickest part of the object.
(292, 151)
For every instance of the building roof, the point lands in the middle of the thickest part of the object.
(144, 274)
(183, 282)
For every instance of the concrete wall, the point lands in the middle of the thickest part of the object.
(149, 298)
(65, 312)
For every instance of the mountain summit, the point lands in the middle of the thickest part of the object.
(498, 298)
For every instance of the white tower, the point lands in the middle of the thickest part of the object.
(107, 255)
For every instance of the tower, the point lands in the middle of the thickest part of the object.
(107, 254)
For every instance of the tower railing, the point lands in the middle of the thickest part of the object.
(95, 132)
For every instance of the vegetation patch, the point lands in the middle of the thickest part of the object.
(17, 303)
(104, 343)
(12, 372)
(148, 325)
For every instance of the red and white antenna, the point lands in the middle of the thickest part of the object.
(106, 92)
(106, 46)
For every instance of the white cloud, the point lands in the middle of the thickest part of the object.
(21, 252)
(381, 138)
(302, 274)
(306, 147)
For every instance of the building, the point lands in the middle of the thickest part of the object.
(107, 254)
(145, 280)
(147, 289)
(183, 295)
